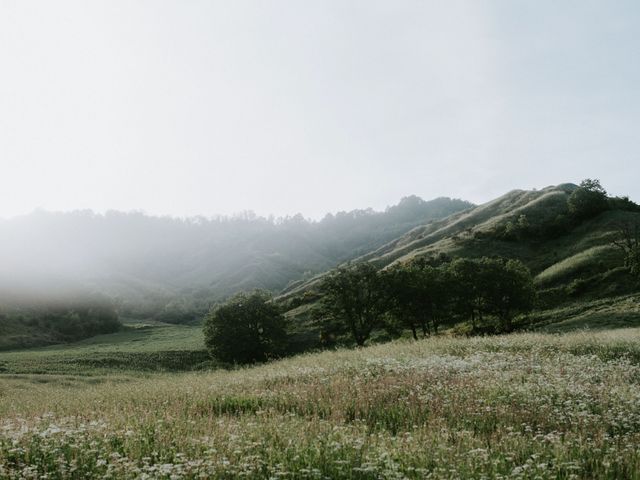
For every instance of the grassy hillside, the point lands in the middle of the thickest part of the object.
(570, 261)
(516, 406)
(461, 233)
(601, 314)
(556, 253)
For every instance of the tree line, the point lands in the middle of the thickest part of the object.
(56, 321)
(357, 300)
(421, 297)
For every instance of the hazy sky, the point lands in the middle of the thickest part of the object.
(205, 107)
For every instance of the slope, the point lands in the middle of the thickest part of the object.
(572, 261)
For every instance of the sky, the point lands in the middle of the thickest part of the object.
(217, 107)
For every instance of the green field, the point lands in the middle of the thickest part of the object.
(138, 347)
(527, 405)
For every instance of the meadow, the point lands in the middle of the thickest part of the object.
(527, 405)
(140, 346)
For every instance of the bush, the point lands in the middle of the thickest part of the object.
(248, 328)
(623, 203)
(588, 200)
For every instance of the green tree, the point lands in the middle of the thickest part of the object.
(628, 241)
(436, 285)
(491, 287)
(588, 200)
(508, 290)
(401, 287)
(353, 301)
(247, 328)
(418, 296)
(468, 289)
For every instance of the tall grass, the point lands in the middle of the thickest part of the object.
(518, 406)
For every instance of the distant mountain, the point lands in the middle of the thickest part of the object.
(173, 269)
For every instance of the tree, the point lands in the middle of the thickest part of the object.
(436, 285)
(418, 296)
(247, 328)
(508, 290)
(401, 287)
(623, 203)
(628, 241)
(467, 288)
(353, 301)
(489, 286)
(588, 200)
(516, 230)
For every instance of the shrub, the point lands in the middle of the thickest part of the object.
(248, 328)
(588, 200)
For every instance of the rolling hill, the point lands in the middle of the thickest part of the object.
(572, 260)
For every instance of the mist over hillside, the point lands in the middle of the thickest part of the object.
(137, 266)
(173, 268)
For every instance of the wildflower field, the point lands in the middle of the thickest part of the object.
(519, 406)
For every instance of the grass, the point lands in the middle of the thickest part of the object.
(579, 264)
(601, 314)
(139, 346)
(528, 405)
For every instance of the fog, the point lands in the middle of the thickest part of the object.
(142, 259)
